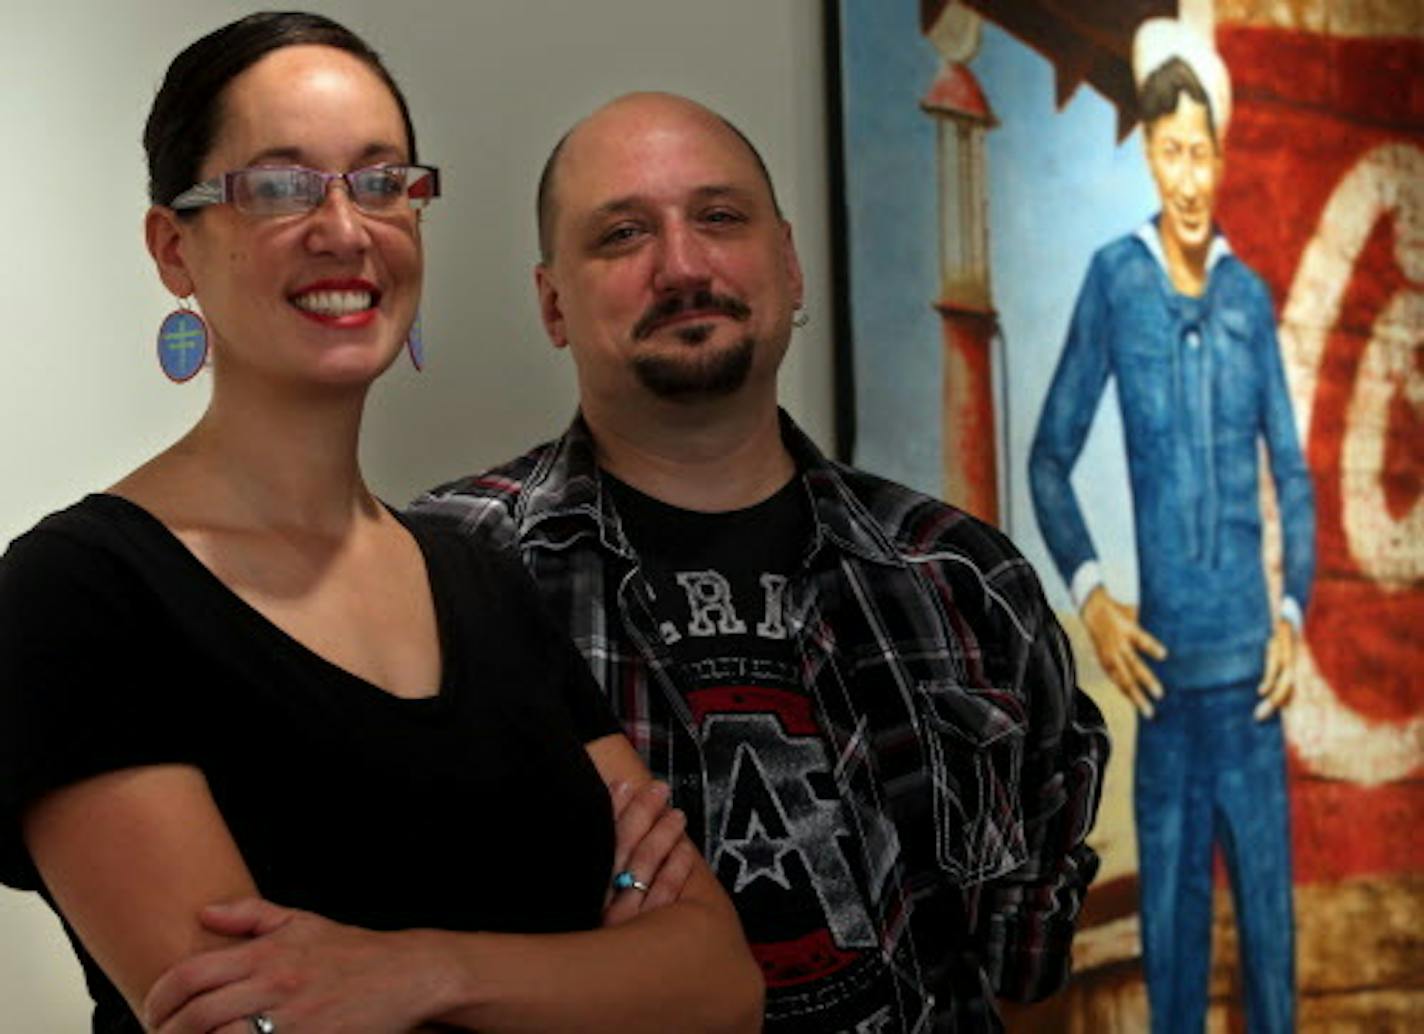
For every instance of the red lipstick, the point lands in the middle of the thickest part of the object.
(337, 302)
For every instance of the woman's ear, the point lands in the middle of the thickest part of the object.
(163, 233)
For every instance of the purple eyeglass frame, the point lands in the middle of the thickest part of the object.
(219, 190)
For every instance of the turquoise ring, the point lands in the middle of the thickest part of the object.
(625, 880)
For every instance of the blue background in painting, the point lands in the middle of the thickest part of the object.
(1059, 188)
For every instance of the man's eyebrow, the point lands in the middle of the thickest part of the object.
(716, 190)
(633, 202)
(616, 206)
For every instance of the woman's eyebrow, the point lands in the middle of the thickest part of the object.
(293, 155)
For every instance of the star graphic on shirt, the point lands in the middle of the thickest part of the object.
(760, 856)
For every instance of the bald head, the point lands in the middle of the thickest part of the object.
(612, 117)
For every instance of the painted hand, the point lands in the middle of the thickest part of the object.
(652, 844)
(1120, 642)
(1278, 683)
(304, 971)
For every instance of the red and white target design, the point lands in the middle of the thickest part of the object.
(1380, 520)
(1324, 196)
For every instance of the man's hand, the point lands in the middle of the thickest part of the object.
(1119, 642)
(306, 972)
(1278, 683)
(652, 845)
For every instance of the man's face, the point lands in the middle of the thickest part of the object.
(671, 274)
(1186, 166)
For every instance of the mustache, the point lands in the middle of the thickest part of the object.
(699, 301)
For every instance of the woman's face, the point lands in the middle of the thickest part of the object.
(325, 297)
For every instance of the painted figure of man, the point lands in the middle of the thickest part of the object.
(858, 694)
(1187, 332)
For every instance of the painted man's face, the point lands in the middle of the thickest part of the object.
(1186, 165)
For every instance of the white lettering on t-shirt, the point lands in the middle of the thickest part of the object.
(709, 595)
(763, 806)
(709, 600)
(771, 626)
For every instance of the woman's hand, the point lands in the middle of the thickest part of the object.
(304, 972)
(652, 845)
(309, 973)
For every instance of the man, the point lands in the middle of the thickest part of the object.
(856, 693)
(1186, 330)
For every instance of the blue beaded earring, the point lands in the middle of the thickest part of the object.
(415, 344)
(182, 343)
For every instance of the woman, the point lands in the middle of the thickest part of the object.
(237, 678)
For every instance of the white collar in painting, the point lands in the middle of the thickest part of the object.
(1215, 252)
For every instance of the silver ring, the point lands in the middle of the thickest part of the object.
(262, 1023)
(625, 880)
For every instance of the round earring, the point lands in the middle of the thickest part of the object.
(799, 316)
(415, 344)
(182, 343)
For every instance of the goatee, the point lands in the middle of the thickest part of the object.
(697, 373)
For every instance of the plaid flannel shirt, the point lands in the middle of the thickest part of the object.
(970, 762)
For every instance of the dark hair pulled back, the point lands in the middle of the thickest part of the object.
(186, 113)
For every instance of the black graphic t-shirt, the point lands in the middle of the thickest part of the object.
(777, 832)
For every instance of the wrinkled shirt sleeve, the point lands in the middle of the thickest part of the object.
(1024, 921)
(1295, 494)
(1073, 395)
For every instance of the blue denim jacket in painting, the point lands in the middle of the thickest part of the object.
(971, 759)
(1200, 384)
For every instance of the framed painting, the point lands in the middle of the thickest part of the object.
(990, 165)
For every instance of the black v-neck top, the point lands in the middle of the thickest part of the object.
(119, 648)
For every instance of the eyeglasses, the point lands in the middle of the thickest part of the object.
(273, 190)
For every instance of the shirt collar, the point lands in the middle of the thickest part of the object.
(839, 515)
(565, 497)
(1217, 250)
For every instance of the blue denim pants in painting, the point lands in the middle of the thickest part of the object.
(1208, 773)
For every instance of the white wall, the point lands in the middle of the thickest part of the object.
(491, 83)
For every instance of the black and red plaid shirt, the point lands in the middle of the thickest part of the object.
(942, 680)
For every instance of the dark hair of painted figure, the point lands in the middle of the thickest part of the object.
(1164, 87)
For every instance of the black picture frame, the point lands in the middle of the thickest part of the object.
(842, 343)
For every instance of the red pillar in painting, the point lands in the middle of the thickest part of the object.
(970, 466)
(962, 116)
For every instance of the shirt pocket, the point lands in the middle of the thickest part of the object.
(974, 748)
(1143, 362)
(1239, 384)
